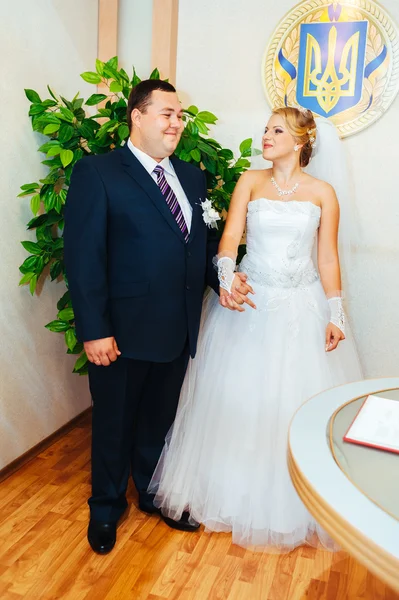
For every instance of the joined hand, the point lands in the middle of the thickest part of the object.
(239, 294)
(102, 352)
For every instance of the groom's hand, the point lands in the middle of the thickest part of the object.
(102, 352)
(239, 294)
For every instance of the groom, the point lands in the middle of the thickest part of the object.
(138, 259)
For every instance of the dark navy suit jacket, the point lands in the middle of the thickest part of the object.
(130, 272)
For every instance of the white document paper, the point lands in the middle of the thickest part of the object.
(376, 424)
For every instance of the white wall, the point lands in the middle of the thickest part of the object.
(135, 36)
(220, 50)
(46, 41)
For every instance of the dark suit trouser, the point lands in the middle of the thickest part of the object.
(134, 406)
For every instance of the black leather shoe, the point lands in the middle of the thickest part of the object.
(150, 509)
(101, 536)
(185, 524)
(146, 505)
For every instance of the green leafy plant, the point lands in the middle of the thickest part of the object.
(73, 132)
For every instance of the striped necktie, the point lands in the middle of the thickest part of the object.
(171, 201)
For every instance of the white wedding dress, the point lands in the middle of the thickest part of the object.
(225, 460)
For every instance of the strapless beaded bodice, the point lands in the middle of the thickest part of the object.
(280, 241)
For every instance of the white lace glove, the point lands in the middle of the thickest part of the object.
(337, 316)
(226, 272)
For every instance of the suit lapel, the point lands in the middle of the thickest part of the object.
(135, 169)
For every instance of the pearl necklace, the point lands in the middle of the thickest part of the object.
(284, 192)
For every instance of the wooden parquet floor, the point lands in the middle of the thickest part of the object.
(44, 554)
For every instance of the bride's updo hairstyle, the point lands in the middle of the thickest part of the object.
(302, 126)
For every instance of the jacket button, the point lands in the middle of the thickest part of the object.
(187, 287)
(188, 253)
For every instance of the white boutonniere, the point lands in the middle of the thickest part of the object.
(209, 214)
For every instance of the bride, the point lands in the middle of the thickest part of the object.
(225, 461)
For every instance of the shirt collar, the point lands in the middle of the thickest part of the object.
(148, 162)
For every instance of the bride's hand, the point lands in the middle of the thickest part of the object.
(333, 337)
(239, 294)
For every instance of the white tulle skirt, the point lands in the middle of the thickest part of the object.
(225, 458)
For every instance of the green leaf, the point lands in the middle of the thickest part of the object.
(49, 199)
(242, 163)
(26, 278)
(135, 79)
(66, 314)
(81, 362)
(58, 326)
(67, 103)
(99, 67)
(30, 186)
(230, 186)
(202, 128)
(58, 204)
(54, 151)
(46, 147)
(207, 117)
(63, 301)
(66, 133)
(32, 247)
(95, 99)
(37, 221)
(66, 114)
(77, 104)
(44, 234)
(115, 87)
(209, 164)
(32, 284)
(124, 75)
(104, 112)
(245, 145)
(207, 149)
(226, 154)
(192, 129)
(51, 128)
(189, 143)
(110, 73)
(88, 128)
(36, 109)
(112, 62)
(91, 77)
(196, 155)
(109, 126)
(48, 103)
(55, 269)
(70, 338)
(78, 348)
(66, 157)
(192, 109)
(51, 93)
(123, 131)
(35, 204)
(48, 117)
(63, 194)
(30, 264)
(79, 114)
(155, 74)
(32, 96)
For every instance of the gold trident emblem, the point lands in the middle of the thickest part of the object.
(329, 85)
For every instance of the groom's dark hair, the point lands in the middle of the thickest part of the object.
(140, 96)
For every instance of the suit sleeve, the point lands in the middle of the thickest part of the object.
(85, 251)
(213, 239)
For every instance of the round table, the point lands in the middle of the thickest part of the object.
(353, 494)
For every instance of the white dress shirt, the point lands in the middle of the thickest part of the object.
(149, 164)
